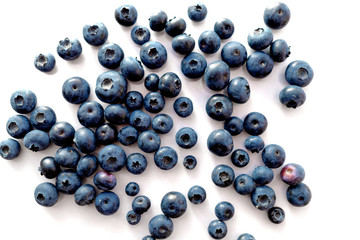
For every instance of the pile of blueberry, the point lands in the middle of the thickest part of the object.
(69, 167)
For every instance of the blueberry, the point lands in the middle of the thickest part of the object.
(260, 38)
(151, 82)
(255, 123)
(175, 26)
(106, 134)
(104, 180)
(262, 175)
(273, 156)
(148, 238)
(49, 168)
(62, 134)
(128, 135)
(298, 195)
(186, 137)
(197, 194)
(238, 90)
(244, 184)
(224, 211)
(299, 73)
(136, 163)
(157, 21)
(44, 62)
(161, 226)
(126, 15)
(87, 165)
(69, 49)
(263, 197)
(36, 140)
(140, 35)
(23, 101)
(223, 176)
(183, 44)
(183, 107)
(233, 125)
(132, 189)
(149, 141)
(277, 15)
(46, 194)
(133, 218)
(279, 50)
(219, 107)
(154, 102)
(67, 157)
(165, 158)
(224, 28)
(189, 162)
(76, 90)
(107, 203)
(234, 54)
(276, 215)
(220, 142)
(240, 158)
(134, 100)
(85, 140)
(209, 42)
(197, 12)
(85, 195)
(112, 158)
(162, 123)
(292, 96)
(18, 126)
(68, 181)
(246, 236)
(141, 204)
(90, 114)
(9, 149)
(292, 174)
(111, 87)
(96, 34)
(132, 69)
(140, 120)
(43, 118)
(173, 204)
(217, 229)
(193, 65)
(259, 64)
(170, 85)
(217, 75)
(110, 55)
(116, 114)
(153, 55)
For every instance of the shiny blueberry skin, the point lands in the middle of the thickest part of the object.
(68, 181)
(134, 100)
(175, 26)
(276, 215)
(197, 12)
(240, 158)
(49, 168)
(209, 42)
(23, 101)
(273, 156)
(255, 123)
(132, 189)
(43, 118)
(148, 238)
(262, 175)
(110, 55)
(292, 96)
(9, 149)
(223, 176)
(136, 163)
(220, 142)
(162, 123)
(183, 44)
(116, 114)
(234, 54)
(190, 162)
(96, 34)
(165, 158)
(85, 140)
(140, 120)
(292, 174)
(90, 114)
(133, 218)
(197, 194)
(153, 55)
(141, 204)
(85, 195)
(157, 21)
(67, 157)
(238, 90)
(263, 197)
(18, 126)
(299, 73)
(151, 82)
(217, 229)
(107, 203)
(87, 165)
(112, 158)
(161, 227)
(111, 87)
(126, 15)
(219, 107)
(76, 90)
(44, 62)
(106, 134)
(104, 180)
(224, 211)
(244, 184)
(62, 134)
(128, 135)
(149, 141)
(217, 75)
(233, 125)
(259, 64)
(46, 194)
(36, 140)
(170, 85)
(132, 69)
(260, 38)
(173, 204)
(183, 107)
(193, 65)
(140, 35)
(277, 15)
(279, 50)
(186, 137)
(154, 102)
(246, 236)
(69, 49)
(224, 28)
(254, 144)
(299, 195)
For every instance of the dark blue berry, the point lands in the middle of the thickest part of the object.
(219, 107)
(23, 101)
(85, 195)
(140, 35)
(209, 42)
(90, 114)
(87, 165)
(186, 137)
(154, 102)
(106, 134)
(76, 90)
(49, 168)
(233, 125)
(110, 55)
(279, 50)
(175, 26)
(273, 156)
(238, 90)
(111, 87)
(43, 118)
(68, 181)
(134, 100)
(277, 15)
(140, 120)
(162, 123)
(197, 12)
(126, 15)
(153, 55)
(183, 44)
(254, 144)
(107, 203)
(220, 142)
(197, 194)
(46, 194)
(62, 134)
(224, 28)
(141, 204)
(244, 184)
(263, 197)
(217, 75)
(18, 126)
(193, 65)
(259, 64)
(292, 174)
(104, 180)
(234, 54)
(151, 82)
(67, 157)
(173, 204)
(96, 34)
(161, 227)
(292, 96)
(85, 140)
(246, 236)
(136, 163)
(44, 62)
(112, 158)
(9, 149)
(240, 158)
(183, 107)
(255, 123)
(128, 135)
(157, 21)
(190, 162)
(217, 229)
(260, 38)
(276, 215)
(133, 218)
(132, 189)
(224, 211)
(149, 141)
(148, 238)
(165, 158)
(170, 85)
(262, 175)
(36, 140)
(69, 49)
(116, 114)
(223, 176)
(298, 195)
(132, 69)
(299, 73)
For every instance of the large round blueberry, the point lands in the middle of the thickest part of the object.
(292, 96)
(259, 64)
(126, 15)
(217, 75)
(224, 211)
(106, 134)
(170, 85)
(161, 226)
(87, 165)
(255, 123)
(263, 197)
(49, 168)
(116, 114)
(240, 158)
(132, 69)
(133, 218)
(132, 189)
(111, 87)
(151, 82)
(244, 184)
(110, 55)
(276, 215)
(234, 54)
(217, 229)
(220, 142)
(104, 180)
(238, 90)
(279, 50)
(299, 195)
(136, 163)
(23, 101)
(292, 174)
(141, 204)
(85, 195)
(273, 156)
(183, 44)
(140, 35)
(140, 120)
(262, 175)
(36, 140)
(197, 12)
(157, 21)
(68, 181)
(193, 65)
(175, 26)
(162, 123)
(62, 134)
(9, 149)
(209, 42)
(76, 90)
(183, 107)
(246, 236)
(186, 137)
(107, 203)
(165, 158)
(90, 114)
(46, 194)
(44, 62)
(173, 204)
(18, 126)
(277, 15)
(128, 135)
(112, 158)
(197, 194)
(224, 28)
(223, 176)
(219, 107)
(85, 140)
(67, 157)
(260, 38)
(233, 125)
(299, 73)
(149, 141)
(69, 49)
(153, 55)
(254, 144)
(43, 118)
(96, 34)
(154, 102)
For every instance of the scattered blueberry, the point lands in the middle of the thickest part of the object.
(43, 118)
(85, 140)
(273, 156)
(128, 135)
(292, 96)
(110, 55)
(193, 65)
(112, 158)
(260, 38)
(149, 141)
(279, 50)
(44, 62)
(224, 211)
(224, 28)
(220, 142)
(299, 73)
(116, 114)
(148, 238)
(46, 194)
(170, 85)
(23, 101)
(136, 163)
(175, 26)
(173, 204)
(140, 120)
(62, 134)
(292, 174)
(87, 165)
(154, 102)
(223, 176)
(133, 218)
(111, 87)
(209, 42)
(10, 149)
(68, 181)
(134, 100)
(246, 236)
(233, 125)
(234, 54)
(85, 195)
(262, 175)
(263, 197)
(151, 82)
(186, 137)
(277, 15)
(255, 123)
(96, 34)
(76, 90)
(240, 158)
(153, 55)
(190, 162)
(104, 180)
(35, 140)
(244, 184)
(161, 227)
(183, 44)
(126, 15)
(69, 49)
(197, 194)
(132, 189)
(238, 90)
(106, 134)
(298, 195)
(107, 203)
(254, 144)
(217, 229)
(132, 69)
(197, 12)
(49, 168)
(259, 64)
(219, 107)
(141, 204)
(140, 35)
(162, 123)
(90, 114)
(276, 215)
(18, 126)
(165, 158)
(67, 157)
(217, 75)
(183, 107)
(157, 21)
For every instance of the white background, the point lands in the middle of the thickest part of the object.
(322, 135)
